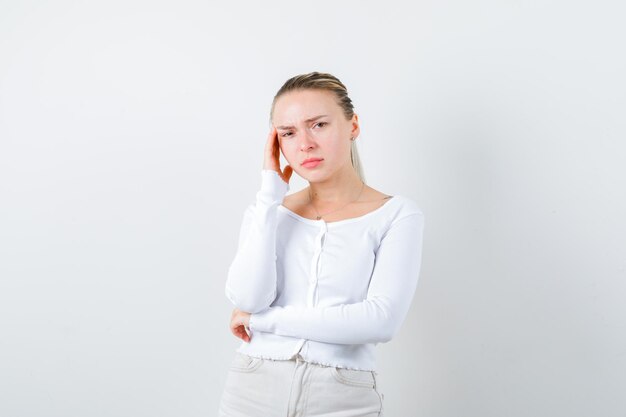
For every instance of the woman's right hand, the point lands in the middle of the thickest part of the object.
(272, 156)
(239, 324)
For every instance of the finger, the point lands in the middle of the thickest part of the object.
(241, 334)
(236, 331)
(272, 151)
(238, 328)
(271, 141)
(287, 172)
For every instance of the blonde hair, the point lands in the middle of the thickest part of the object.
(324, 81)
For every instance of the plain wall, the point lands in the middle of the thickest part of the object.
(131, 140)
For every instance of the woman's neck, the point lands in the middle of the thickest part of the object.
(343, 187)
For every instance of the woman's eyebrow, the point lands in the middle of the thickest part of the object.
(312, 119)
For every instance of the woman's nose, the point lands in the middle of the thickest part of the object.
(307, 143)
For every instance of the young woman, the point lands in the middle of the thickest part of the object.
(321, 275)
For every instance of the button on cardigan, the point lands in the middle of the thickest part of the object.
(329, 291)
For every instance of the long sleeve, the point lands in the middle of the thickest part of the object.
(251, 282)
(375, 319)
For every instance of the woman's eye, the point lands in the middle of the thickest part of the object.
(285, 134)
(321, 123)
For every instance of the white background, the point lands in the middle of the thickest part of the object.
(131, 139)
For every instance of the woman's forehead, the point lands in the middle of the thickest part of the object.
(303, 106)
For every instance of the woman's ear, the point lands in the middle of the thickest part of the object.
(356, 130)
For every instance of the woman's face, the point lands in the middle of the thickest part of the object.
(310, 124)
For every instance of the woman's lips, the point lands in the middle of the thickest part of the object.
(312, 164)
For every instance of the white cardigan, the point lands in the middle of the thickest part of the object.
(329, 291)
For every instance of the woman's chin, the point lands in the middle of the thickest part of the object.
(317, 174)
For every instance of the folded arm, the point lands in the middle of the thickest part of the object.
(375, 319)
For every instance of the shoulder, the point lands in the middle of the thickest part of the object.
(402, 205)
(403, 215)
(408, 206)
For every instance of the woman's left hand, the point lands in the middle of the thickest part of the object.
(239, 320)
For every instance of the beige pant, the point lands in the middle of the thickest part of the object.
(257, 387)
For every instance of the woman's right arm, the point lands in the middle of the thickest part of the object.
(251, 282)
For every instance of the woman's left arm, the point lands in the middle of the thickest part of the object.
(377, 318)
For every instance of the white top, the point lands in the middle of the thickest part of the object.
(329, 291)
